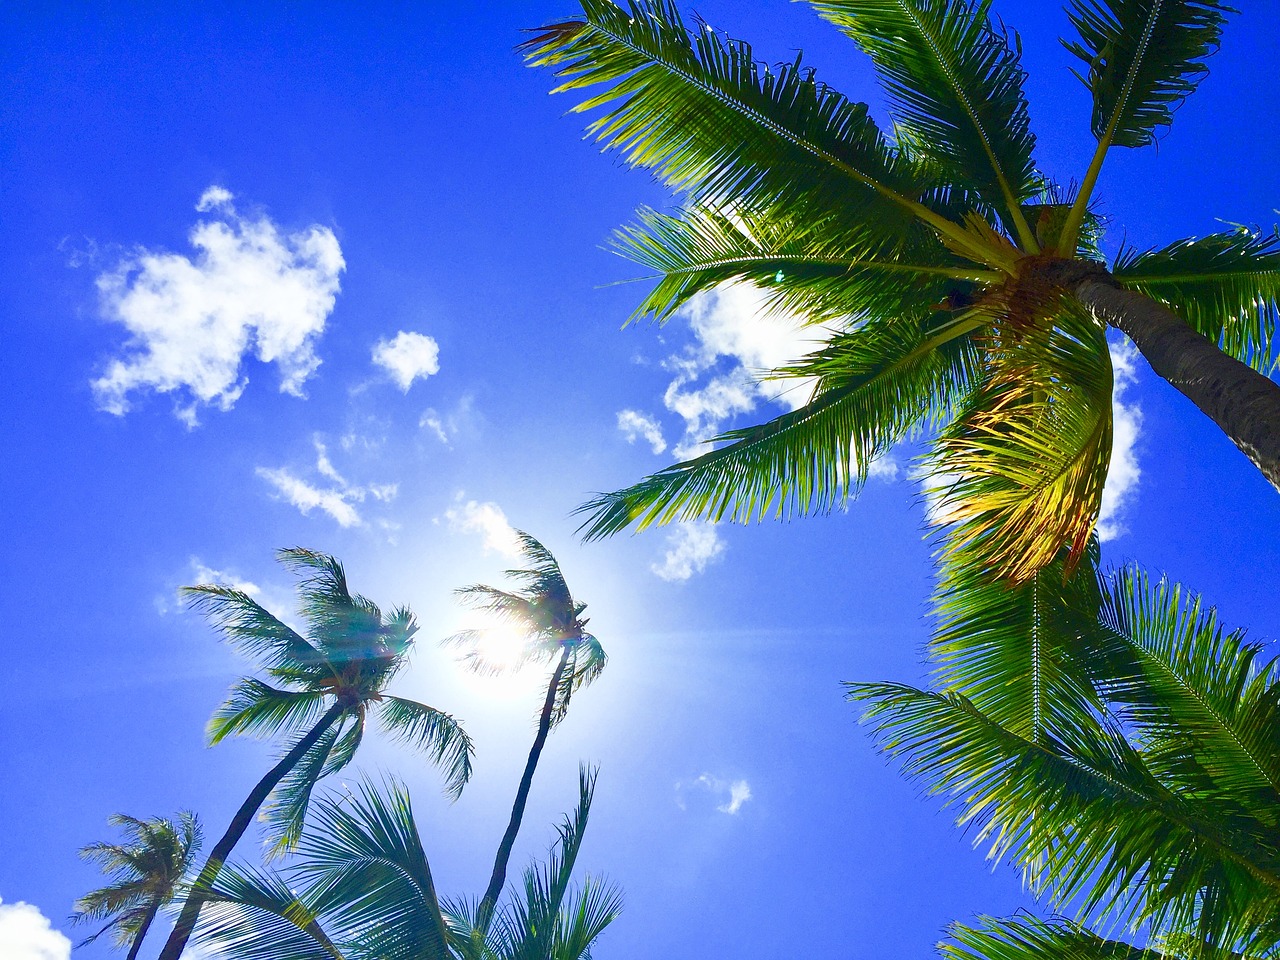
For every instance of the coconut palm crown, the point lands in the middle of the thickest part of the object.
(330, 678)
(968, 292)
(145, 872)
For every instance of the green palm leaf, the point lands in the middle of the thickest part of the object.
(286, 811)
(1143, 58)
(259, 709)
(955, 84)
(1026, 938)
(253, 915)
(707, 118)
(1199, 697)
(435, 733)
(1226, 285)
(875, 385)
(251, 627)
(1012, 650)
(812, 269)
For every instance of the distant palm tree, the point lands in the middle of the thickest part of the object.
(332, 677)
(145, 871)
(969, 291)
(544, 610)
(368, 893)
(1130, 766)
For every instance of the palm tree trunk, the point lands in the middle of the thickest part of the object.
(1244, 403)
(142, 929)
(239, 823)
(499, 876)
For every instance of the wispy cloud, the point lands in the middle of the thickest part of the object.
(337, 497)
(445, 427)
(731, 794)
(248, 289)
(408, 357)
(486, 519)
(27, 934)
(690, 547)
(635, 425)
(1124, 473)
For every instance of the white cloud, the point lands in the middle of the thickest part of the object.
(338, 499)
(690, 547)
(27, 934)
(205, 574)
(407, 357)
(249, 289)
(635, 425)
(488, 520)
(1123, 476)
(732, 793)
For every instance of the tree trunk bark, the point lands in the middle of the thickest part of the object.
(239, 823)
(499, 876)
(1244, 403)
(142, 929)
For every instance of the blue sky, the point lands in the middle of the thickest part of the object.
(405, 234)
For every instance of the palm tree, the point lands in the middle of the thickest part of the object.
(544, 610)
(331, 677)
(969, 290)
(145, 872)
(1134, 774)
(367, 893)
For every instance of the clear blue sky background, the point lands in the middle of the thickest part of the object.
(468, 209)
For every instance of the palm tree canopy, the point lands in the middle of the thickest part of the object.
(548, 617)
(366, 892)
(346, 653)
(927, 247)
(144, 871)
(1126, 756)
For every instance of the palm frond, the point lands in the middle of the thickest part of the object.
(365, 861)
(708, 119)
(1141, 59)
(589, 910)
(875, 385)
(1225, 285)
(251, 627)
(955, 84)
(253, 915)
(1083, 816)
(1205, 706)
(812, 269)
(258, 709)
(1028, 938)
(1030, 456)
(435, 733)
(1012, 650)
(286, 810)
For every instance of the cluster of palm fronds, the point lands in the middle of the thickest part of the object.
(367, 891)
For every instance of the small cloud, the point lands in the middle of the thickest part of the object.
(459, 421)
(430, 421)
(488, 520)
(27, 934)
(407, 357)
(204, 574)
(248, 289)
(690, 547)
(635, 425)
(731, 794)
(1124, 472)
(337, 499)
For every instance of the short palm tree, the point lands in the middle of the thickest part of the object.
(554, 632)
(1131, 769)
(969, 290)
(146, 871)
(332, 677)
(366, 892)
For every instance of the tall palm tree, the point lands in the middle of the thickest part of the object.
(1145, 791)
(554, 631)
(367, 893)
(331, 676)
(969, 290)
(145, 872)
